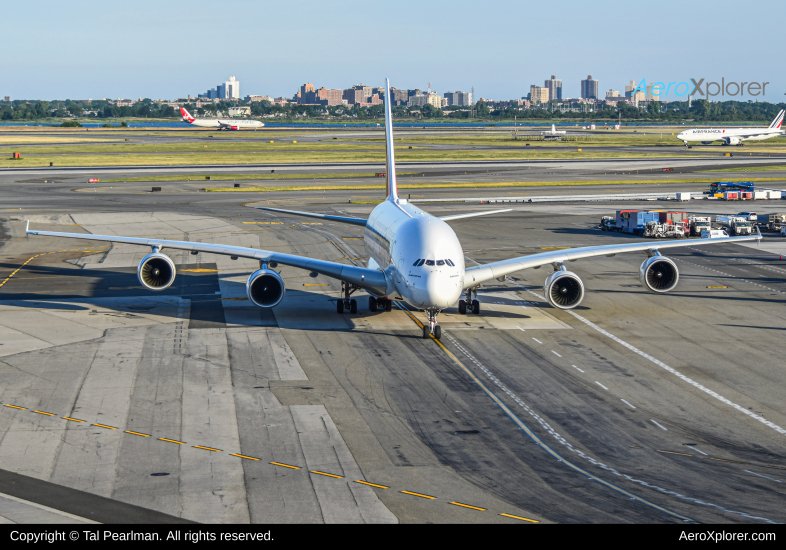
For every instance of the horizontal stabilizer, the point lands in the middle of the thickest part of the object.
(342, 219)
(472, 215)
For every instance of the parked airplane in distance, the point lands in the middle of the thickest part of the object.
(553, 134)
(414, 258)
(220, 123)
(733, 136)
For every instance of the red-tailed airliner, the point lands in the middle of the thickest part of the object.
(220, 123)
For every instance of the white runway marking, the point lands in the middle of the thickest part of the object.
(538, 341)
(578, 369)
(601, 385)
(700, 451)
(521, 329)
(555, 353)
(628, 404)
(659, 425)
(765, 477)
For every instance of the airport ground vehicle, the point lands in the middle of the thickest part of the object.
(697, 224)
(664, 230)
(634, 221)
(714, 234)
(414, 257)
(736, 225)
(608, 223)
(724, 186)
(771, 222)
(750, 216)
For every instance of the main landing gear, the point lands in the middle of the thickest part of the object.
(347, 303)
(375, 303)
(432, 328)
(470, 305)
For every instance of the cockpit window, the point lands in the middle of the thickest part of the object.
(429, 262)
(450, 263)
(440, 262)
(421, 262)
(416, 262)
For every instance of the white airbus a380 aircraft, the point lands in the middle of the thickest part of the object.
(414, 257)
(733, 136)
(220, 123)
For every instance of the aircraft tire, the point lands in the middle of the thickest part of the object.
(339, 306)
(425, 331)
(437, 332)
(462, 307)
(372, 303)
(353, 306)
(388, 305)
(475, 307)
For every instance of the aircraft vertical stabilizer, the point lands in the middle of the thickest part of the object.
(390, 161)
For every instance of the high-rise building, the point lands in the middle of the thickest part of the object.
(229, 89)
(538, 95)
(398, 97)
(330, 98)
(589, 88)
(359, 94)
(554, 87)
(458, 98)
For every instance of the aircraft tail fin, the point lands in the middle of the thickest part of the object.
(778, 120)
(186, 115)
(553, 128)
(391, 186)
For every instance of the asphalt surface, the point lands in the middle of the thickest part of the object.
(634, 407)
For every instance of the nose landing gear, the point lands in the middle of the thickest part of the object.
(432, 328)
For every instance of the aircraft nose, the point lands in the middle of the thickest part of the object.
(440, 290)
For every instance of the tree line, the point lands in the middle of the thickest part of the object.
(700, 111)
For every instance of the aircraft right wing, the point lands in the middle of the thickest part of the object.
(476, 275)
(472, 215)
(369, 279)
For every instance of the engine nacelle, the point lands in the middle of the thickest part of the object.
(564, 289)
(732, 141)
(265, 288)
(659, 274)
(156, 271)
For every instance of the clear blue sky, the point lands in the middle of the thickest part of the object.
(168, 49)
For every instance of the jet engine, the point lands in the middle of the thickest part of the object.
(265, 288)
(564, 289)
(732, 141)
(659, 274)
(156, 271)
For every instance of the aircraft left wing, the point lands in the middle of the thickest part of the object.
(342, 219)
(369, 279)
(483, 273)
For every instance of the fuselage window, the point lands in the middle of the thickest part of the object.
(440, 262)
(429, 262)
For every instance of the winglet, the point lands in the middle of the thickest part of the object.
(759, 237)
(27, 227)
(390, 160)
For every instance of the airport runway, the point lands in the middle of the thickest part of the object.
(634, 407)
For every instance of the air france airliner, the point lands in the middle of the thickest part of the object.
(733, 136)
(414, 257)
(220, 123)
